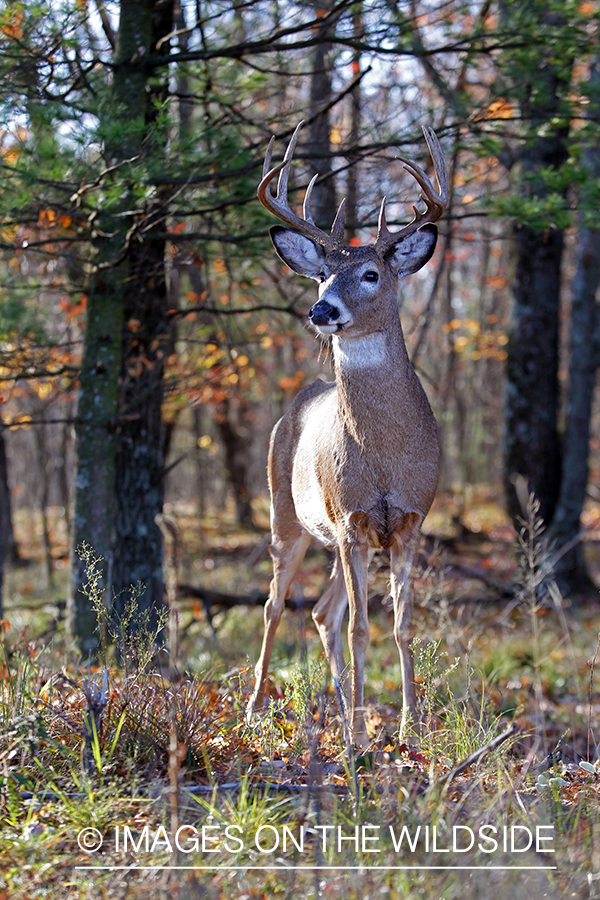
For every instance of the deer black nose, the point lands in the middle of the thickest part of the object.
(322, 313)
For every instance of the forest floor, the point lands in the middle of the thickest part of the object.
(190, 802)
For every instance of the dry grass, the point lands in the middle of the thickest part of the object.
(484, 660)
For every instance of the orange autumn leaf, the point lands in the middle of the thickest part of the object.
(12, 29)
(46, 218)
(499, 109)
(496, 281)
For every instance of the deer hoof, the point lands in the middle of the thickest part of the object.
(252, 711)
(408, 732)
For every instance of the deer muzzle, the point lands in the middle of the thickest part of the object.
(323, 313)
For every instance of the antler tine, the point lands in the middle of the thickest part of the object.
(279, 205)
(339, 223)
(385, 238)
(268, 155)
(435, 201)
(439, 163)
(284, 175)
(306, 205)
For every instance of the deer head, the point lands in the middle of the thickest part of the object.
(356, 283)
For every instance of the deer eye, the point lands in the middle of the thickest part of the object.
(371, 276)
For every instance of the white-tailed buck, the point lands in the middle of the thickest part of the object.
(353, 463)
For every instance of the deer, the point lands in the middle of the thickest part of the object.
(353, 463)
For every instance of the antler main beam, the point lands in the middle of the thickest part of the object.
(280, 207)
(435, 201)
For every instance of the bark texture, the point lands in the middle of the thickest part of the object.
(119, 486)
(140, 440)
(532, 393)
(583, 363)
(93, 517)
(319, 145)
(532, 442)
(6, 525)
(565, 527)
(235, 445)
(139, 456)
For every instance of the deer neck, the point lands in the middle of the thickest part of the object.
(375, 380)
(381, 354)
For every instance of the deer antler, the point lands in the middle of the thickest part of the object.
(279, 206)
(435, 201)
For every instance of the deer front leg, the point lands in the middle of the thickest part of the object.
(355, 561)
(287, 555)
(401, 560)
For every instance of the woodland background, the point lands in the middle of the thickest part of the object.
(150, 336)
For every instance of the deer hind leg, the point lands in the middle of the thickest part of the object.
(401, 560)
(355, 561)
(287, 555)
(328, 615)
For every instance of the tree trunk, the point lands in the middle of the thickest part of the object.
(119, 485)
(140, 439)
(319, 145)
(201, 479)
(531, 447)
(44, 482)
(5, 513)
(565, 527)
(353, 138)
(63, 469)
(140, 449)
(7, 535)
(236, 459)
(570, 567)
(95, 444)
(186, 102)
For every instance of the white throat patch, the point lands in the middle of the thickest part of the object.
(366, 352)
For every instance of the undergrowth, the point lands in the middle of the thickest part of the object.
(178, 779)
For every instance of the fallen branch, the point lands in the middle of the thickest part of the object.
(229, 601)
(266, 786)
(272, 786)
(256, 598)
(477, 755)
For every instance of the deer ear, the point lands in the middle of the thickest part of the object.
(410, 254)
(303, 255)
